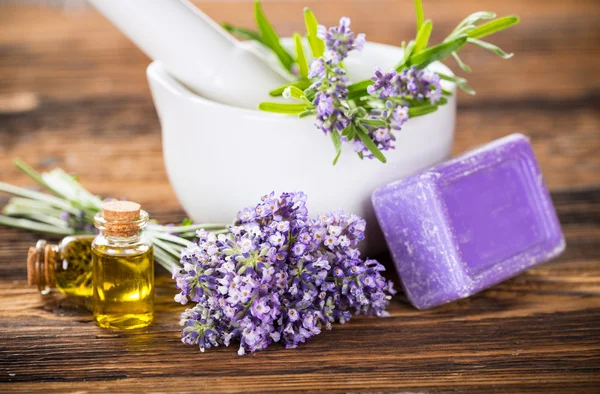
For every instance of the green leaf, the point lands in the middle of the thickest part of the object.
(413, 103)
(362, 133)
(408, 50)
(491, 47)
(460, 82)
(270, 37)
(301, 57)
(317, 46)
(302, 84)
(349, 132)
(337, 143)
(494, 26)
(281, 108)
(422, 110)
(186, 222)
(362, 85)
(358, 89)
(307, 113)
(461, 64)
(460, 32)
(243, 32)
(357, 95)
(423, 36)
(437, 52)
(373, 122)
(474, 18)
(420, 14)
(294, 92)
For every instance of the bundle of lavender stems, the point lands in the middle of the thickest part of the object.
(67, 208)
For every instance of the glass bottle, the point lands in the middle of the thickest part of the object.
(123, 268)
(66, 266)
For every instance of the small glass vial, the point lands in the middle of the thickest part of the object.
(123, 268)
(66, 266)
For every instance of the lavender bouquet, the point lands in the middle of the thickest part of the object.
(368, 113)
(277, 276)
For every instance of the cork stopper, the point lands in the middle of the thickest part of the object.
(41, 260)
(121, 218)
(50, 252)
(32, 258)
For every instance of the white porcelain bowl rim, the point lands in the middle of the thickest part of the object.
(158, 71)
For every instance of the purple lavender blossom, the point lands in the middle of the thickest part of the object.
(277, 276)
(396, 89)
(399, 117)
(332, 85)
(339, 40)
(419, 85)
(329, 116)
(384, 84)
(317, 68)
(411, 83)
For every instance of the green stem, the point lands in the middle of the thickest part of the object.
(34, 226)
(42, 218)
(170, 238)
(54, 201)
(33, 174)
(166, 247)
(18, 209)
(164, 259)
(186, 229)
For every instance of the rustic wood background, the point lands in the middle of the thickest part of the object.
(73, 94)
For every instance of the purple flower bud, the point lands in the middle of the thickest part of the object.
(317, 68)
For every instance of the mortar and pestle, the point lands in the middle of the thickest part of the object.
(221, 153)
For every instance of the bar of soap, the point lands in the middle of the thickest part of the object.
(469, 223)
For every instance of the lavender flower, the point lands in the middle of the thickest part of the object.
(419, 85)
(384, 84)
(331, 87)
(277, 276)
(317, 68)
(329, 116)
(331, 92)
(411, 83)
(397, 89)
(339, 40)
(399, 117)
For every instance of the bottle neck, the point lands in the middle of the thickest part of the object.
(41, 266)
(121, 238)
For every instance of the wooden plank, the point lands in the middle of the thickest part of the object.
(538, 332)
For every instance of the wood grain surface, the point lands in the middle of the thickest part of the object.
(73, 94)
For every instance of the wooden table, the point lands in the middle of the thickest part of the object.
(73, 94)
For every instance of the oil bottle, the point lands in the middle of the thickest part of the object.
(123, 268)
(66, 266)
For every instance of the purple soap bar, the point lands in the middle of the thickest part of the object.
(469, 223)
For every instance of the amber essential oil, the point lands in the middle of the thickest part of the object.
(66, 266)
(123, 268)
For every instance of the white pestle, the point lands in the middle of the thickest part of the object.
(194, 49)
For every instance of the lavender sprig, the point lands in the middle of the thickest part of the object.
(70, 209)
(368, 113)
(277, 276)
